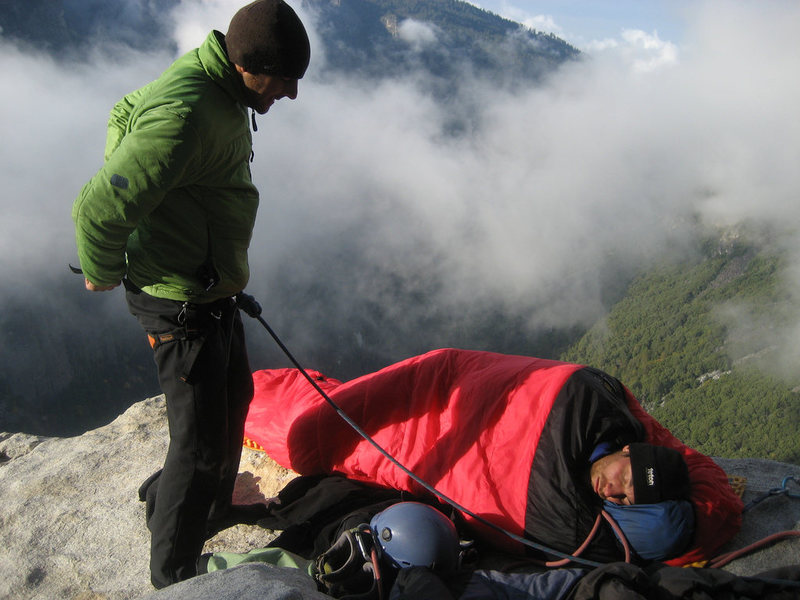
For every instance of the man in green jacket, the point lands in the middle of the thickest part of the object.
(170, 214)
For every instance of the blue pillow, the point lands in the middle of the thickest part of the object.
(655, 531)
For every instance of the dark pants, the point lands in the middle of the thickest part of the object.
(205, 375)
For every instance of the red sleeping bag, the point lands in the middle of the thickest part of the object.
(468, 423)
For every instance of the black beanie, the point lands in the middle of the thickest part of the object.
(659, 474)
(267, 37)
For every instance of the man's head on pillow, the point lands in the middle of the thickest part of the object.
(641, 474)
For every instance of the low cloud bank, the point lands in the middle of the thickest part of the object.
(377, 207)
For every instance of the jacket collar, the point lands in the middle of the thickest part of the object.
(214, 59)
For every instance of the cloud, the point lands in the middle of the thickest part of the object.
(544, 23)
(193, 20)
(53, 136)
(539, 22)
(417, 34)
(388, 216)
(553, 189)
(642, 51)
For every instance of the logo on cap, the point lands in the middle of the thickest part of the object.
(651, 476)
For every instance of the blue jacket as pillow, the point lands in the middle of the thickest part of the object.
(655, 531)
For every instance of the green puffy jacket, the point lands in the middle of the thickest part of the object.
(175, 194)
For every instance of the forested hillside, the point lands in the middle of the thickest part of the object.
(385, 38)
(698, 343)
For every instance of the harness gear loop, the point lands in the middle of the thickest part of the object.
(156, 339)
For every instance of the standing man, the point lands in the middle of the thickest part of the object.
(170, 214)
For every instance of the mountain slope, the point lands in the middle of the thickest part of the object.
(375, 38)
(66, 28)
(386, 38)
(692, 341)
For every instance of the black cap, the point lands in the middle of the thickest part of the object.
(659, 474)
(267, 37)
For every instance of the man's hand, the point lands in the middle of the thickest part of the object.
(98, 288)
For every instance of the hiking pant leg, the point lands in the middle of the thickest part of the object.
(239, 395)
(200, 440)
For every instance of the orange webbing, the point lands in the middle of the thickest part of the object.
(248, 443)
(738, 483)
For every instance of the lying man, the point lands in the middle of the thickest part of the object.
(535, 447)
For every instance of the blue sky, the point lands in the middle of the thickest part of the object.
(582, 22)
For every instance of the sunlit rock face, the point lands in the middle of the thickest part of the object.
(71, 525)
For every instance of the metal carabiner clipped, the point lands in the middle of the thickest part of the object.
(785, 489)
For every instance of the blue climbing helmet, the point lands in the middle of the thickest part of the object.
(413, 534)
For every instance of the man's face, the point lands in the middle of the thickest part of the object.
(264, 90)
(612, 478)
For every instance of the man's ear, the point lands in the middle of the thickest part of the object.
(239, 68)
(626, 448)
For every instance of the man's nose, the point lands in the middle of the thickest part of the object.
(610, 492)
(290, 89)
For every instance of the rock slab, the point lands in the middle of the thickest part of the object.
(71, 525)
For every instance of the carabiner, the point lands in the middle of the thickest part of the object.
(786, 490)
